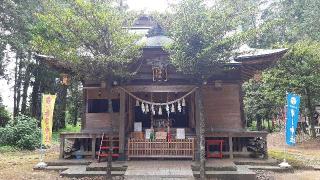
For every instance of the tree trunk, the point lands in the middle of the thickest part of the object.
(18, 85)
(35, 93)
(60, 108)
(268, 121)
(202, 152)
(310, 113)
(26, 84)
(15, 106)
(75, 118)
(259, 124)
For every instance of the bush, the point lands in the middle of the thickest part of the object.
(22, 133)
(4, 116)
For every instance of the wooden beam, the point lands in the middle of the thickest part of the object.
(122, 122)
(159, 88)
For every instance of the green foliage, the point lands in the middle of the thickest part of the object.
(68, 128)
(292, 159)
(290, 21)
(297, 72)
(257, 107)
(5, 148)
(74, 104)
(87, 34)
(204, 36)
(4, 114)
(22, 133)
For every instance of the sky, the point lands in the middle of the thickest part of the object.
(137, 5)
(148, 5)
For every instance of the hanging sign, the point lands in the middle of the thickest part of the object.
(181, 133)
(293, 102)
(138, 126)
(47, 107)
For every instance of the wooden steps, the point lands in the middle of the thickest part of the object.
(108, 146)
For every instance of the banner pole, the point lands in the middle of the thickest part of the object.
(41, 164)
(285, 164)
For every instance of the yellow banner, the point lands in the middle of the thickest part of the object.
(47, 107)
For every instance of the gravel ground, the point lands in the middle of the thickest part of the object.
(265, 175)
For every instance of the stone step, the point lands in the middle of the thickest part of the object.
(66, 162)
(116, 166)
(227, 175)
(80, 171)
(141, 177)
(216, 165)
(251, 161)
(242, 173)
(271, 168)
(56, 168)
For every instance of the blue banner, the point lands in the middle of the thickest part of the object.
(293, 103)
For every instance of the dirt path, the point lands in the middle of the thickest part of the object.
(306, 153)
(19, 165)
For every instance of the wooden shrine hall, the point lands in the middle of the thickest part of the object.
(156, 114)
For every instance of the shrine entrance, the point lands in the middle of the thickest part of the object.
(174, 117)
(161, 122)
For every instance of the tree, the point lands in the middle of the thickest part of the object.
(4, 115)
(204, 39)
(88, 35)
(257, 106)
(16, 19)
(74, 102)
(297, 73)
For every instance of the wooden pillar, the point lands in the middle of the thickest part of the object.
(61, 146)
(230, 147)
(93, 146)
(197, 119)
(122, 122)
(200, 128)
(242, 116)
(84, 109)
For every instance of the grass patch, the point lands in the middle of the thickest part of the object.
(290, 158)
(6, 148)
(69, 128)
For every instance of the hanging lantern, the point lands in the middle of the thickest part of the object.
(152, 110)
(183, 102)
(137, 103)
(143, 107)
(160, 110)
(167, 108)
(64, 79)
(147, 108)
(172, 108)
(179, 106)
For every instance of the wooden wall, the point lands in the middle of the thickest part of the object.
(222, 107)
(101, 120)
